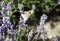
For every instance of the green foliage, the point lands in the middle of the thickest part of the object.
(48, 5)
(45, 5)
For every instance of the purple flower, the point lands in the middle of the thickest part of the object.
(44, 17)
(7, 23)
(20, 7)
(3, 12)
(41, 28)
(22, 23)
(9, 5)
(30, 35)
(8, 39)
(11, 26)
(6, 19)
(58, 2)
(1, 31)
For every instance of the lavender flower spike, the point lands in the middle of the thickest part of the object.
(6, 19)
(41, 29)
(3, 12)
(22, 22)
(43, 17)
(1, 33)
(20, 7)
(9, 6)
(30, 35)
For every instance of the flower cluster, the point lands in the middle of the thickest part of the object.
(41, 29)
(5, 8)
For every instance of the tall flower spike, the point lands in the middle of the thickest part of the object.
(5, 19)
(30, 35)
(20, 7)
(44, 17)
(6, 22)
(3, 12)
(42, 29)
(9, 6)
(12, 34)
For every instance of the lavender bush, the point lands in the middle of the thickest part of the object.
(20, 32)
